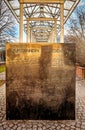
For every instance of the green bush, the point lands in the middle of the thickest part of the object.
(2, 68)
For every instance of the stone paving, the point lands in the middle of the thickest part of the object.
(2, 76)
(78, 124)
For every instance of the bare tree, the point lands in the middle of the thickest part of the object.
(76, 34)
(7, 22)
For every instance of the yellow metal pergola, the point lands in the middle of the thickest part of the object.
(30, 37)
(42, 20)
(61, 2)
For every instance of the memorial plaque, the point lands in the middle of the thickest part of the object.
(40, 81)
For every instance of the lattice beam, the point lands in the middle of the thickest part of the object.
(40, 1)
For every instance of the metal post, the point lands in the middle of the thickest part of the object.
(53, 35)
(27, 31)
(62, 23)
(30, 34)
(55, 26)
(21, 23)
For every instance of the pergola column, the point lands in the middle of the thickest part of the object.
(62, 22)
(51, 36)
(30, 34)
(53, 33)
(28, 31)
(21, 22)
(34, 39)
(55, 30)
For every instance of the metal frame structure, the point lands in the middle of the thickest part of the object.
(41, 31)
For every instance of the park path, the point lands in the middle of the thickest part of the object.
(2, 76)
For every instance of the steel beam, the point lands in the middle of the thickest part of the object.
(41, 1)
(41, 19)
(21, 22)
(28, 31)
(12, 10)
(61, 23)
(55, 30)
(42, 28)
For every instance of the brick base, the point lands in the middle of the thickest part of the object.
(80, 72)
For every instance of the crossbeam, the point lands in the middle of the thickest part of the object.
(41, 28)
(41, 19)
(42, 1)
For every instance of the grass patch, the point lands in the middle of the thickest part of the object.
(2, 68)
